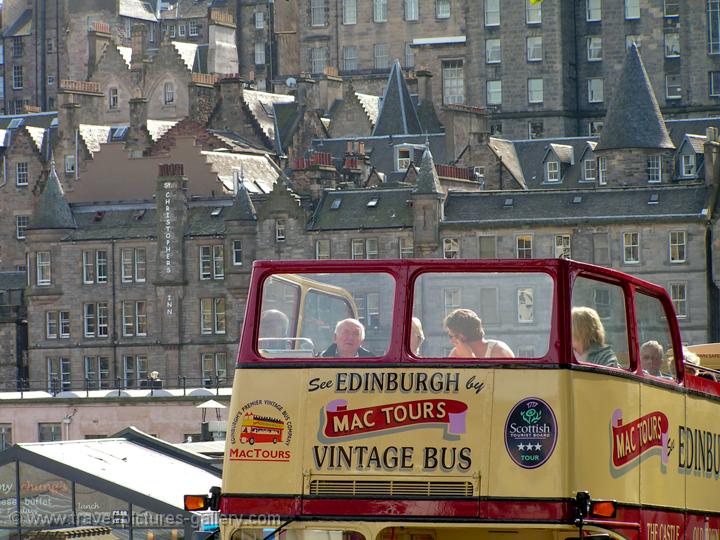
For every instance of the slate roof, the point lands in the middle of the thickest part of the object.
(139, 219)
(679, 128)
(136, 9)
(532, 208)
(697, 142)
(261, 107)
(185, 9)
(633, 119)
(381, 150)
(397, 115)
(524, 159)
(243, 208)
(427, 178)
(52, 210)
(259, 171)
(391, 210)
(43, 119)
(564, 152)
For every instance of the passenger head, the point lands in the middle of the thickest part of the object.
(587, 329)
(417, 336)
(691, 361)
(465, 325)
(651, 357)
(349, 337)
(273, 324)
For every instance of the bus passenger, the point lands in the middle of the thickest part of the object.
(651, 358)
(467, 336)
(588, 338)
(274, 326)
(417, 336)
(692, 361)
(347, 340)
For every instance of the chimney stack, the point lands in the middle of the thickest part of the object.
(138, 137)
(139, 44)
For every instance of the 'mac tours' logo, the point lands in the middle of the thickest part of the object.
(343, 422)
(632, 440)
(261, 431)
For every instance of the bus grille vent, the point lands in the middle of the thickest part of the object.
(390, 488)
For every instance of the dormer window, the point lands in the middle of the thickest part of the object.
(552, 171)
(589, 169)
(404, 155)
(688, 165)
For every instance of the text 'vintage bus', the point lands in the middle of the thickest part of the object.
(459, 400)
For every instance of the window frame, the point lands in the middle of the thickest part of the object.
(592, 92)
(318, 19)
(453, 81)
(406, 247)
(671, 53)
(193, 29)
(443, 9)
(565, 246)
(532, 93)
(18, 77)
(496, 100)
(552, 172)
(665, 9)
(323, 249)
(593, 162)
(349, 7)
(21, 228)
(526, 249)
(22, 173)
(714, 83)
(43, 264)
(169, 93)
(493, 51)
(632, 9)
(380, 11)
(597, 7)
(411, 10)
(630, 247)
(668, 86)
(602, 171)
(594, 49)
(493, 239)
(492, 12)
(679, 302)
(677, 241)
(451, 247)
(534, 49)
(113, 98)
(533, 10)
(381, 56)
(654, 168)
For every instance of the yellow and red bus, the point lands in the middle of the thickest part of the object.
(411, 443)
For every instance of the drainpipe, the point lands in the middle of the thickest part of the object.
(4, 180)
(42, 83)
(77, 162)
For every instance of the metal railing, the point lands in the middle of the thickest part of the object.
(83, 388)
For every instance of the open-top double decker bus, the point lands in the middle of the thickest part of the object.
(415, 444)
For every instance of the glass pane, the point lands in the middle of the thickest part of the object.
(294, 534)
(598, 323)
(487, 314)
(98, 508)
(654, 338)
(44, 498)
(8, 492)
(300, 314)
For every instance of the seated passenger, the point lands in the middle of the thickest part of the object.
(588, 338)
(274, 325)
(467, 335)
(417, 336)
(347, 340)
(692, 360)
(651, 359)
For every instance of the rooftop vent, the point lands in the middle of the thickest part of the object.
(335, 204)
(137, 216)
(577, 199)
(98, 215)
(653, 198)
(508, 202)
(372, 203)
(216, 211)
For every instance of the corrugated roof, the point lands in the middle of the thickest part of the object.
(555, 206)
(633, 119)
(136, 9)
(390, 211)
(131, 466)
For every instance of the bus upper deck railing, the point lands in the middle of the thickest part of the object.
(55, 387)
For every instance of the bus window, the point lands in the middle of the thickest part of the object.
(654, 338)
(514, 308)
(599, 326)
(299, 313)
(294, 534)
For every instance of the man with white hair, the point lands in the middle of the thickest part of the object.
(347, 340)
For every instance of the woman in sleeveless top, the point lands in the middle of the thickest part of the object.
(467, 336)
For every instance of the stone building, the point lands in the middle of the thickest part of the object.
(139, 291)
(543, 69)
(48, 42)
